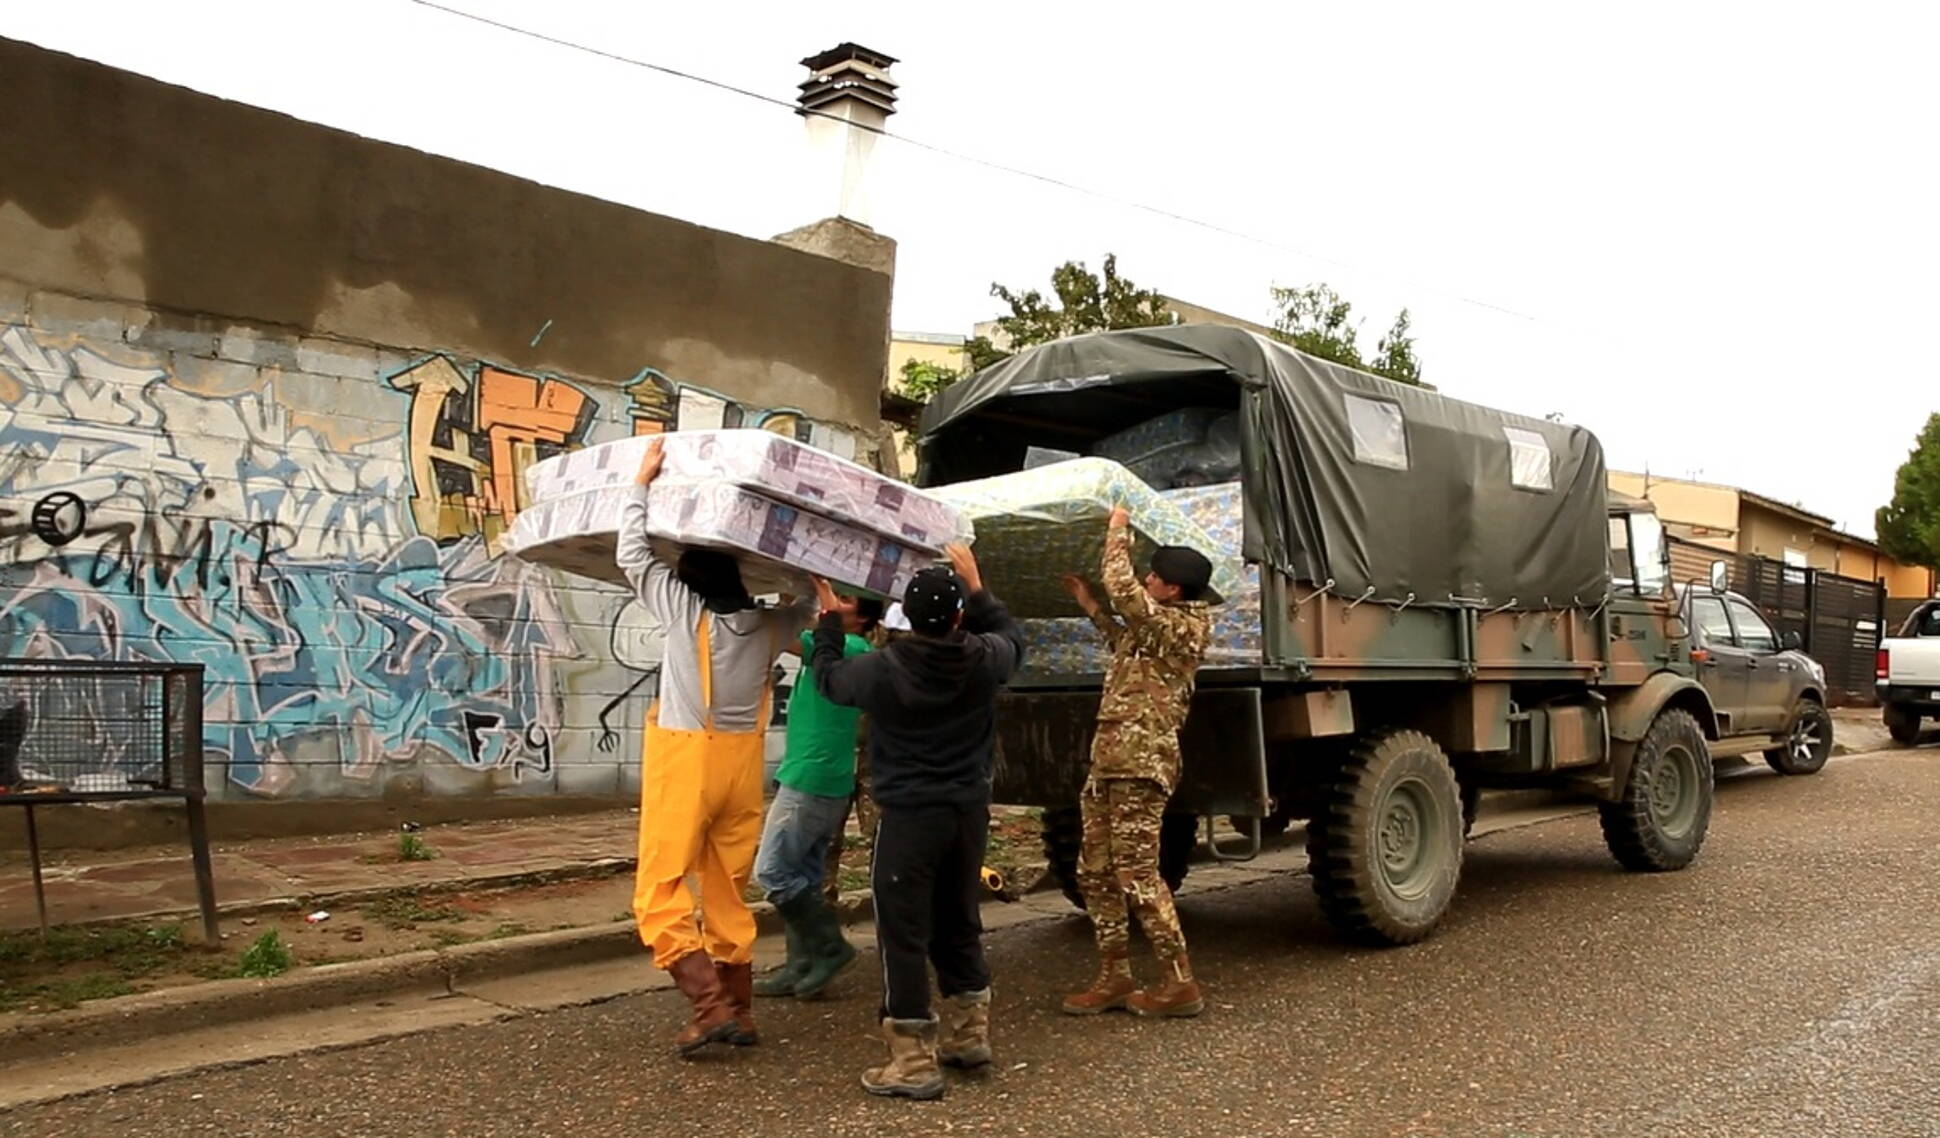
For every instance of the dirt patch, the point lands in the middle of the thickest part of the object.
(79, 963)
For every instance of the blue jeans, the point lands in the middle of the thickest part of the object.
(795, 842)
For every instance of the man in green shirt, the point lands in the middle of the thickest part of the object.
(817, 780)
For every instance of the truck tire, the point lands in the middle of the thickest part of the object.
(1807, 745)
(1385, 849)
(1660, 822)
(1903, 725)
(1064, 833)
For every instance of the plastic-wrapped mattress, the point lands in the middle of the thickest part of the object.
(1037, 525)
(785, 509)
(1070, 646)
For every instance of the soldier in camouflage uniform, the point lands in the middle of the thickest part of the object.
(1156, 652)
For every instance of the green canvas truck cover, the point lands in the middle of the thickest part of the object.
(1385, 490)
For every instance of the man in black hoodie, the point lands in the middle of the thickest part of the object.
(931, 699)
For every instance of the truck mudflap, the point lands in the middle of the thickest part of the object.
(1044, 750)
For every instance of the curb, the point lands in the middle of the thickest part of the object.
(148, 1015)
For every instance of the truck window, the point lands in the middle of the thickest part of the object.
(1380, 435)
(1620, 550)
(1529, 466)
(1924, 622)
(1647, 553)
(1708, 618)
(1753, 633)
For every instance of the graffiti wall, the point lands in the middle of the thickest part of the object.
(316, 525)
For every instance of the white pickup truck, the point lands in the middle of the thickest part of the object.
(1909, 674)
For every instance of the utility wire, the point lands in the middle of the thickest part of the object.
(1046, 179)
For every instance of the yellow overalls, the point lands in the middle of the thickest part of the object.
(700, 812)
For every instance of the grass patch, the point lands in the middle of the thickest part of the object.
(446, 938)
(409, 912)
(852, 878)
(509, 928)
(266, 956)
(411, 847)
(117, 954)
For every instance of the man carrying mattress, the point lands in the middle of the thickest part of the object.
(701, 770)
(931, 699)
(1155, 656)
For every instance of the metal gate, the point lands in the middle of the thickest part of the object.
(1838, 619)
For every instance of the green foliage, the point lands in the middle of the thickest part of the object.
(266, 956)
(1909, 525)
(1319, 322)
(1082, 301)
(921, 380)
(411, 847)
(128, 952)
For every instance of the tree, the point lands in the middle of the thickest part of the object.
(922, 380)
(1909, 525)
(1086, 302)
(1316, 320)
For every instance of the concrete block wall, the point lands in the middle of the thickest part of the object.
(314, 521)
(267, 391)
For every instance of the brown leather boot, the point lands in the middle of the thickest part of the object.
(737, 984)
(1176, 996)
(911, 1071)
(965, 1039)
(713, 1020)
(1111, 989)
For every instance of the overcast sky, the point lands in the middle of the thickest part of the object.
(1707, 231)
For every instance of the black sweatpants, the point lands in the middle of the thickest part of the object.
(924, 874)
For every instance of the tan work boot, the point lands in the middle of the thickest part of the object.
(713, 1020)
(966, 1030)
(737, 984)
(1111, 989)
(911, 1071)
(1176, 996)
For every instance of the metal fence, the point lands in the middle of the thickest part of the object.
(85, 731)
(78, 731)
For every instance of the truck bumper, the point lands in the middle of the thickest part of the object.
(1924, 700)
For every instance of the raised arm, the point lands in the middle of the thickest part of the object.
(1127, 595)
(1104, 622)
(986, 618)
(845, 682)
(653, 580)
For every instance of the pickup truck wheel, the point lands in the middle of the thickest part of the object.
(1809, 743)
(1064, 833)
(1903, 725)
(1660, 821)
(1385, 848)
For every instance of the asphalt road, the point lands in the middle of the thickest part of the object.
(1787, 984)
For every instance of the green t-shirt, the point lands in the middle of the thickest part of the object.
(821, 736)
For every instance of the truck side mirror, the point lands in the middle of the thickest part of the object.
(1791, 642)
(1720, 577)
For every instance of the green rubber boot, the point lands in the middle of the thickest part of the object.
(782, 981)
(830, 953)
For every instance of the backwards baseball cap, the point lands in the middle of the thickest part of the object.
(933, 599)
(1186, 568)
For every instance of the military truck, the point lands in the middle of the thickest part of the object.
(1450, 601)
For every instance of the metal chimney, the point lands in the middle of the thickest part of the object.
(846, 100)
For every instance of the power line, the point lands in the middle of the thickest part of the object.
(1016, 171)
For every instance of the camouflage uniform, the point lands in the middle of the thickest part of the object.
(1156, 653)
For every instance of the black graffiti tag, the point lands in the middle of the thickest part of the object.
(59, 518)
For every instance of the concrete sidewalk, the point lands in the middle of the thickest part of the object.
(283, 873)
